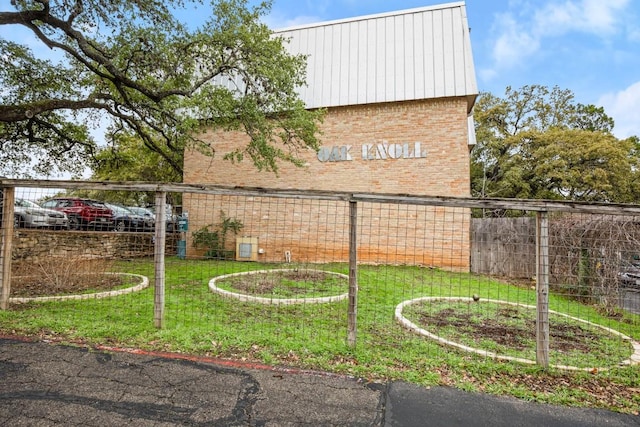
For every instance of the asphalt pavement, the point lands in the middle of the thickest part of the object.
(43, 384)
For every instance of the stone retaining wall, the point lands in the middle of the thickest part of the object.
(30, 245)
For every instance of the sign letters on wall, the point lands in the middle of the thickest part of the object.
(378, 151)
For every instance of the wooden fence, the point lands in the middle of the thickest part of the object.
(504, 247)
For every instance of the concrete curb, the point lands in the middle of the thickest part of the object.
(275, 301)
(144, 283)
(634, 359)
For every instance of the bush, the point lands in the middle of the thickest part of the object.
(214, 238)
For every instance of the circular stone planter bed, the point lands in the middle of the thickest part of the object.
(144, 283)
(634, 359)
(275, 300)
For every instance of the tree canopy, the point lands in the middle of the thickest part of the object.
(126, 159)
(134, 64)
(539, 143)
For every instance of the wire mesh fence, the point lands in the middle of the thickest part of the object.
(273, 275)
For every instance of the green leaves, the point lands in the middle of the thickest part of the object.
(538, 143)
(133, 67)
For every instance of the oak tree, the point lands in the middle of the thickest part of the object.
(132, 67)
(539, 143)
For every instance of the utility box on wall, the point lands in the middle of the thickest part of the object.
(183, 223)
(246, 248)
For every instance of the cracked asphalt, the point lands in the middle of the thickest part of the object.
(45, 384)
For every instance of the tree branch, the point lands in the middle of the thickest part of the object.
(16, 113)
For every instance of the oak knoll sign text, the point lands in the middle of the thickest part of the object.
(379, 151)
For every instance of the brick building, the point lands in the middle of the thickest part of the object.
(399, 89)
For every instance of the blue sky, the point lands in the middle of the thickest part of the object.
(591, 47)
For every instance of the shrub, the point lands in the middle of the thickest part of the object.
(213, 238)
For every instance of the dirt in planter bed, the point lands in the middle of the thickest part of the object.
(39, 286)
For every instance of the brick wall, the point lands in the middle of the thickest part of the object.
(417, 147)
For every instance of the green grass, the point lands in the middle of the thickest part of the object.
(313, 336)
(508, 330)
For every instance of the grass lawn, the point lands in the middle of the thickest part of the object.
(313, 336)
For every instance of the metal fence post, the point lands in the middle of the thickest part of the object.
(158, 257)
(352, 311)
(6, 229)
(542, 289)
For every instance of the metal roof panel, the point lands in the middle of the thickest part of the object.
(405, 55)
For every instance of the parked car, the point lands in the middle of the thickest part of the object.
(83, 213)
(126, 220)
(147, 214)
(629, 274)
(29, 214)
(170, 218)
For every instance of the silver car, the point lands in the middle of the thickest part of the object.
(31, 215)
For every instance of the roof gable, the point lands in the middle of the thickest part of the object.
(405, 55)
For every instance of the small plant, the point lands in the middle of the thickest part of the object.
(214, 238)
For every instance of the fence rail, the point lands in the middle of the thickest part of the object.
(394, 247)
(397, 198)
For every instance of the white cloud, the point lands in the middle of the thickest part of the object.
(624, 108)
(587, 16)
(521, 36)
(513, 44)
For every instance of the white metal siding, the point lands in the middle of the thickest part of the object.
(406, 55)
